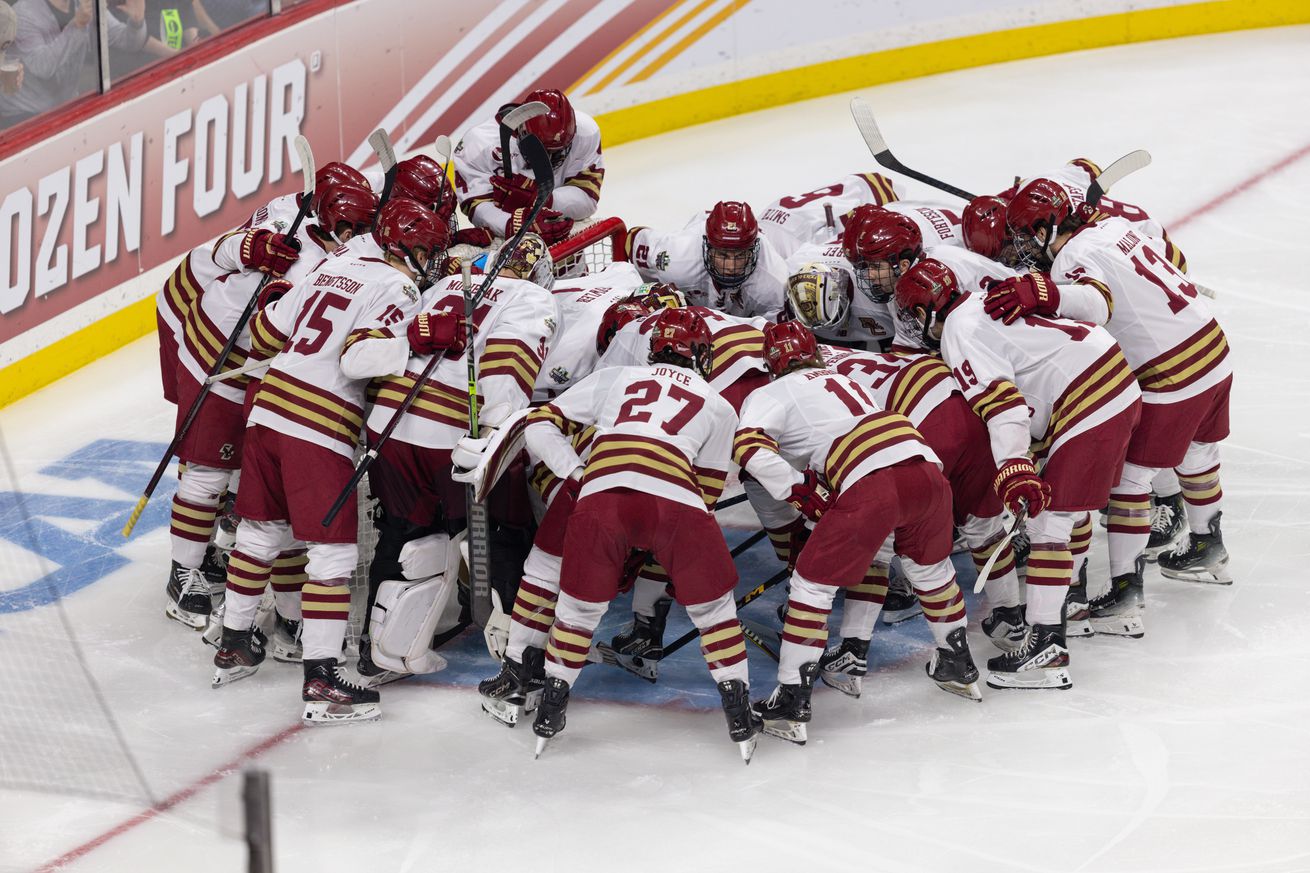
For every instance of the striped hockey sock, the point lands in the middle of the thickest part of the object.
(864, 602)
(944, 609)
(1050, 569)
(1003, 580)
(190, 529)
(1203, 496)
(288, 578)
(247, 578)
(325, 608)
(1129, 528)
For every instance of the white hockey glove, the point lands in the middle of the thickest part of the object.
(496, 632)
(467, 458)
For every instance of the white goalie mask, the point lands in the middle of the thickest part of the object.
(531, 261)
(819, 296)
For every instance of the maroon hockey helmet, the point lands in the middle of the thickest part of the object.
(421, 179)
(336, 172)
(1041, 205)
(557, 127)
(679, 335)
(875, 236)
(346, 203)
(616, 316)
(404, 225)
(788, 344)
(731, 246)
(929, 287)
(984, 225)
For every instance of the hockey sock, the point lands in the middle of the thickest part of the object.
(721, 641)
(1003, 580)
(943, 607)
(649, 590)
(1165, 483)
(864, 602)
(325, 608)
(195, 510)
(787, 540)
(247, 577)
(570, 636)
(1129, 529)
(534, 606)
(1080, 541)
(288, 578)
(804, 628)
(1050, 569)
(1203, 496)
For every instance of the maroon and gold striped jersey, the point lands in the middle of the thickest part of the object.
(795, 220)
(912, 385)
(737, 344)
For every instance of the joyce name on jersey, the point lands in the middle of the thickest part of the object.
(737, 345)
(660, 429)
(581, 303)
(816, 216)
(679, 258)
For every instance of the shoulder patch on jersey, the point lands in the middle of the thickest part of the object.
(280, 224)
(662, 261)
(550, 324)
(410, 291)
(559, 375)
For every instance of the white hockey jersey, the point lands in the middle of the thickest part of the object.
(938, 225)
(581, 303)
(1166, 331)
(816, 216)
(315, 386)
(577, 180)
(912, 385)
(866, 321)
(659, 429)
(679, 257)
(737, 344)
(819, 419)
(514, 325)
(1038, 382)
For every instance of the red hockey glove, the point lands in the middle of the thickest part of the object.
(552, 226)
(516, 192)
(433, 332)
(272, 293)
(478, 237)
(1029, 294)
(810, 497)
(1017, 483)
(269, 252)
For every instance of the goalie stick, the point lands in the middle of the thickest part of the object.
(863, 115)
(307, 172)
(996, 552)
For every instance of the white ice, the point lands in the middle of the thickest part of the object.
(1183, 751)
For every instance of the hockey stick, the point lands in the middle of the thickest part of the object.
(479, 535)
(510, 122)
(731, 501)
(536, 155)
(1113, 174)
(863, 115)
(996, 552)
(307, 174)
(749, 632)
(248, 367)
(443, 149)
(380, 140)
(746, 598)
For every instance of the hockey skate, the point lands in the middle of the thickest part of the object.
(844, 667)
(188, 597)
(1199, 558)
(1041, 662)
(1118, 612)
(373, 675)
(330, 698)
(550, 712)
(1168, 525)
(639, 648)
(1077, 613)
(953, 669)
(516, 689)
(1006, 627)
(902, 603)
(787, 711)
(286, 640)
(214, 569)
(239, 655)
(743, 724)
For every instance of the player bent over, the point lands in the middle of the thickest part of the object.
(304, 426)
(885, 481)
(1062, 386)
(661, 453)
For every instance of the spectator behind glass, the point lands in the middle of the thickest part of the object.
(214, 16)
(11, 70)
(56, 43)
(128, 57)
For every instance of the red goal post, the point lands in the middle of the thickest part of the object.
(591, 249)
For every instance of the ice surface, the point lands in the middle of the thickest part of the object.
(1184, 751)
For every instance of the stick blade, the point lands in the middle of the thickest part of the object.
(515, 118)
(442, 147)
(862, 112)
(1115, 173)
(380, 141)
(307, 169)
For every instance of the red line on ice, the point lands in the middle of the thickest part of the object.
(172, 800)
(1241, 187)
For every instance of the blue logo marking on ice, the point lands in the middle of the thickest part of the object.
(79, 537)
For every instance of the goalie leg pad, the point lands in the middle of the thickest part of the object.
(406, 612)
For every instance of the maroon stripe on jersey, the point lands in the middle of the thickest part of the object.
(1100, 383)
(639, 468)
(302, 413)
(1169, 371)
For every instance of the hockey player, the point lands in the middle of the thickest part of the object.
(816, 439)
(499, 204)
(1123, 279)
(821, 295)
(813, 218)
(661, 453)
(422, 506)
(303, 430)
(1062, 386)
(726, 267)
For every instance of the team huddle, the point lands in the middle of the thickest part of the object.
(889, 382)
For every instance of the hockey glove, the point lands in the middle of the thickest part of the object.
(553, 227)
(272, 293)
(478, 237)
(467, 455)
(1017, 483)
(1030, 294)
(516, 192)
(810, 497)
(269, 252)
(433, 332)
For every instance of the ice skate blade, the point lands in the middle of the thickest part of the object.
(1130, 626)
(509, 712)
(969, 691)
(195, 620)
(1078, 628)
(896, 616)
(226, 676)
(1203, 577)
(286, 654)
(1153, 553)
(1057, 678)
(747, 749)
(642, 668)
(783, 729)
(541, 747)
(847, 684)
(322, 713)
